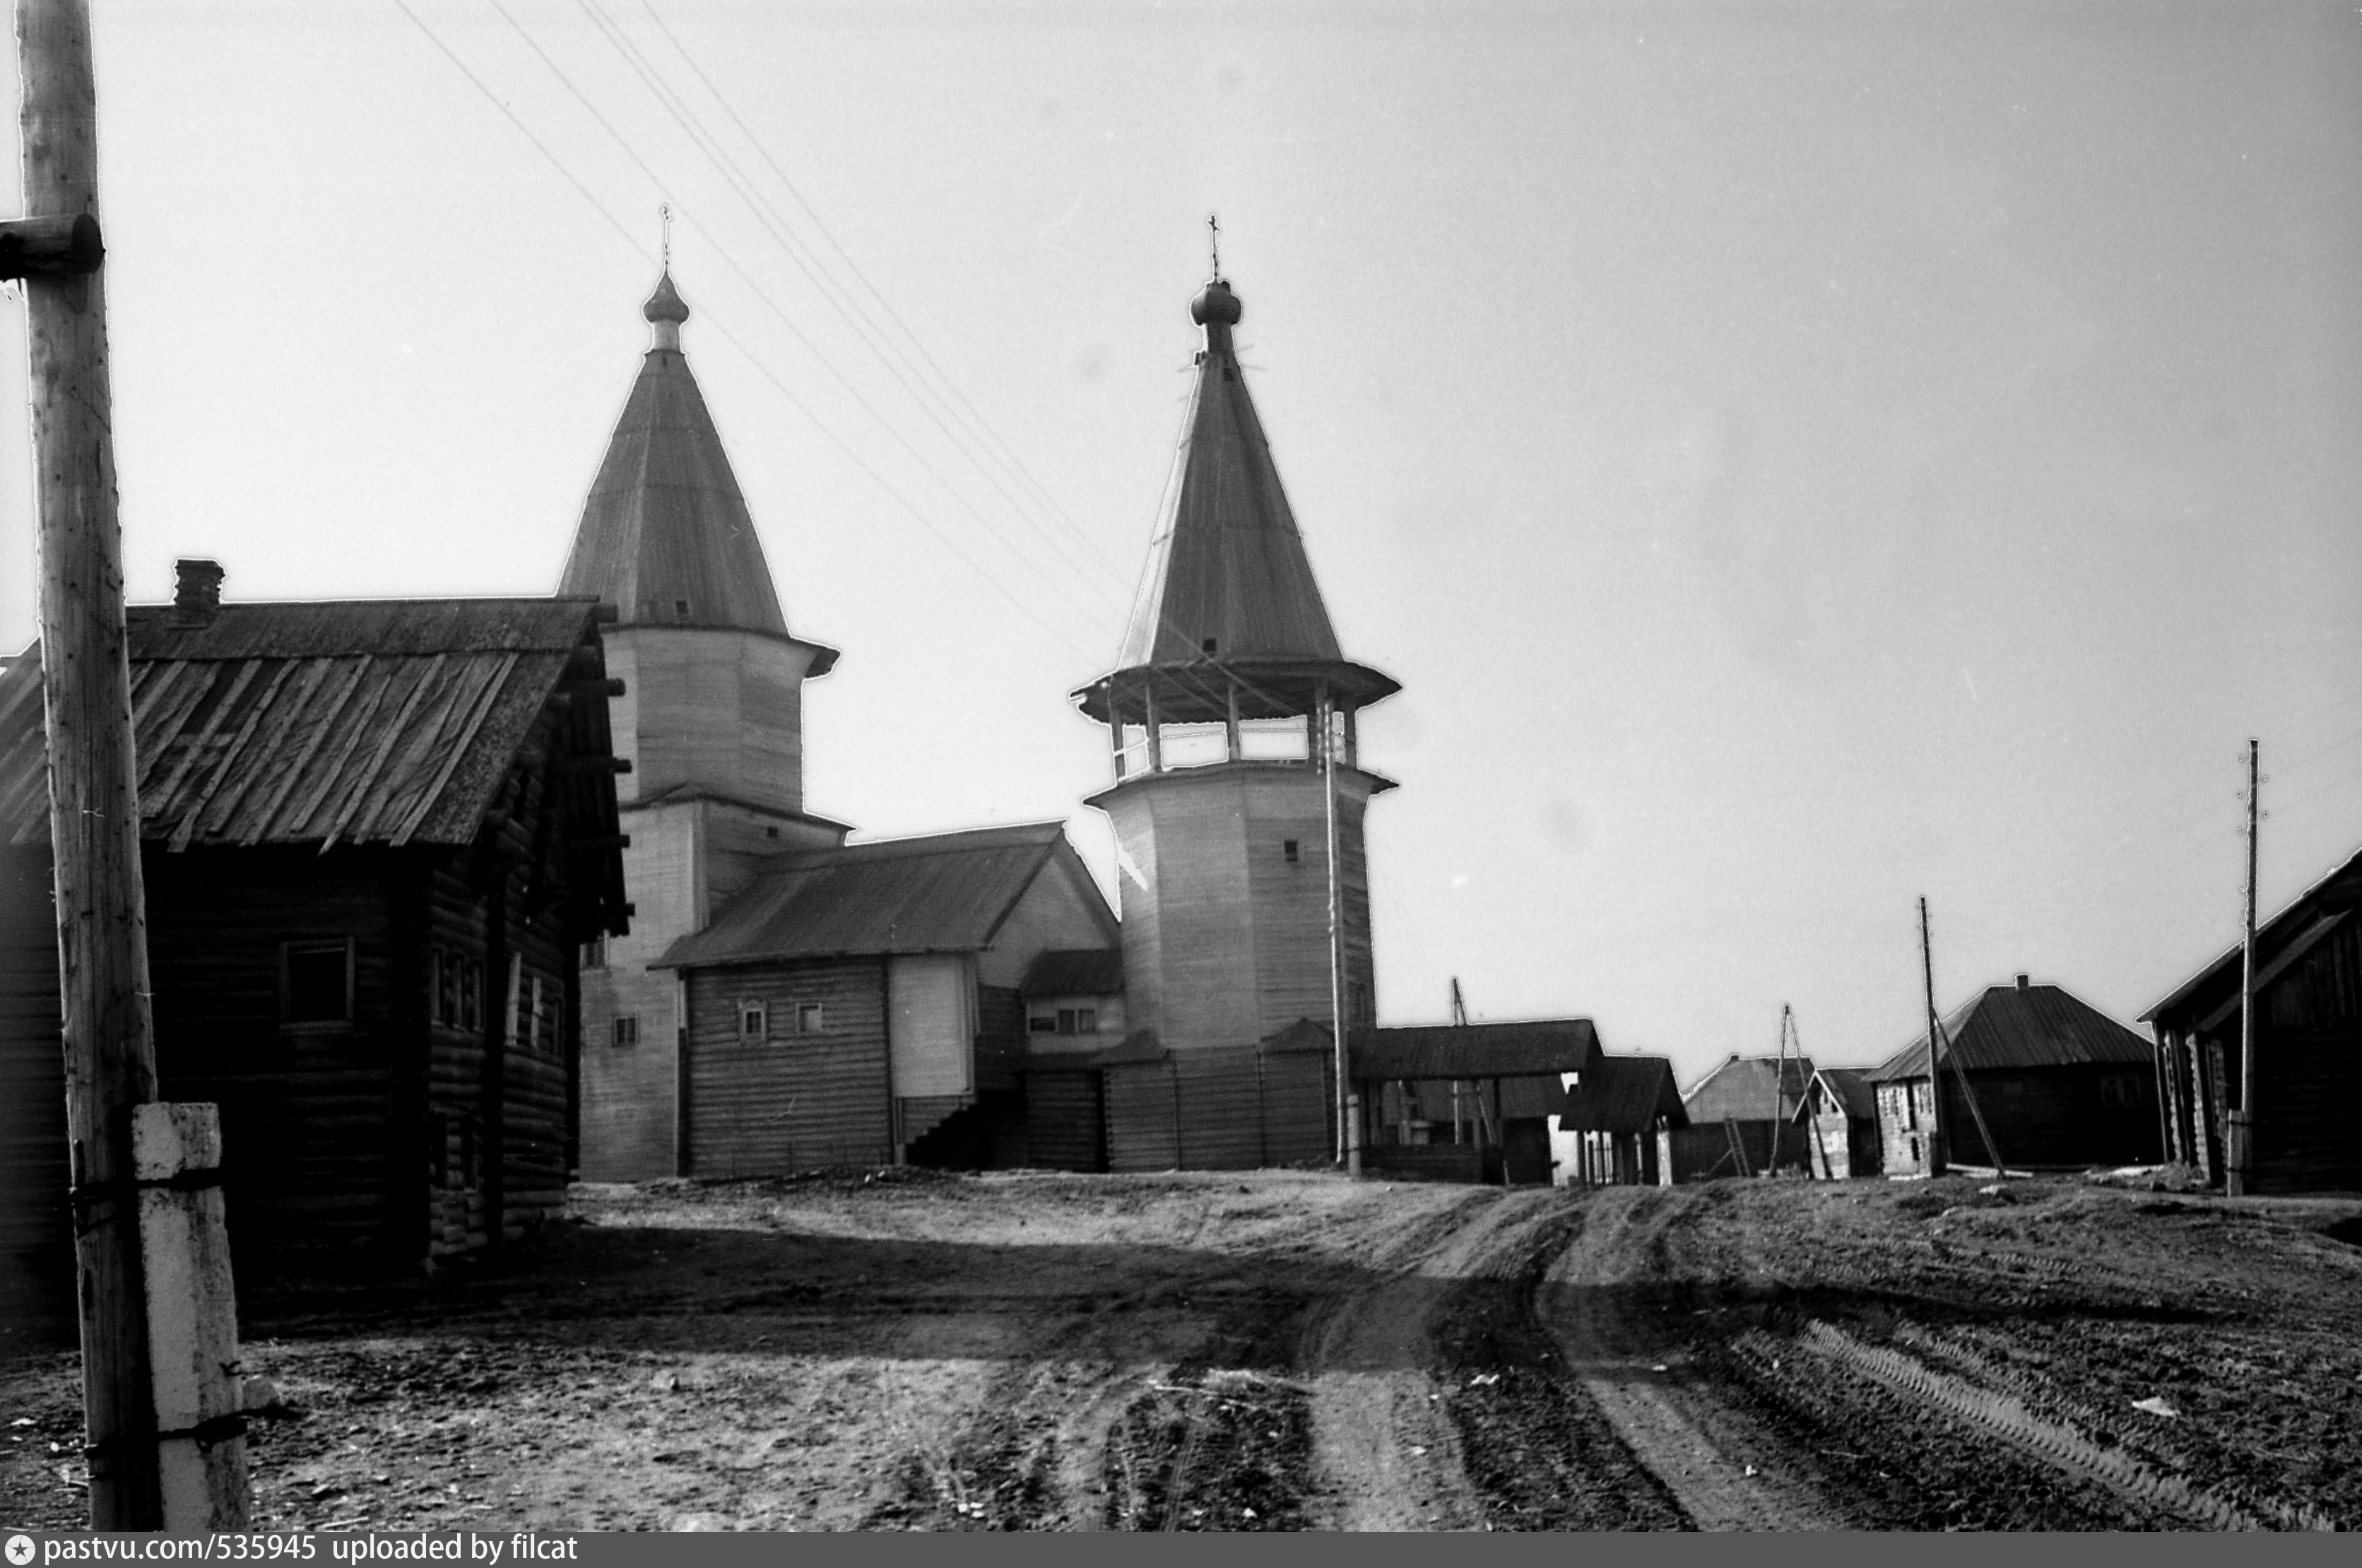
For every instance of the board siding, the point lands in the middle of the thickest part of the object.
(1063, 1121)
(788, 1102)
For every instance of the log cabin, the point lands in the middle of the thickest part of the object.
(374, 834)
(861, 1005)
(2060, 1085)
(2308, 1048)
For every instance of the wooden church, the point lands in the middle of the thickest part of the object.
(784, 998)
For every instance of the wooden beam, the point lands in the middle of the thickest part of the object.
(59, 246)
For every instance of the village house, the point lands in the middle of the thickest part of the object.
(375, 835)
(1738, 1120)
(2308, 1073)
(862, 1005)
(2057, 1084)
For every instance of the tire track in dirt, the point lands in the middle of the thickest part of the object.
(1385, 1452)
(1599, 1301)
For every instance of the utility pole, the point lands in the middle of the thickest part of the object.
(94, 807)
(2239, 1174)
(1779, 1091)
(1348, 1148)
(1936, 1152)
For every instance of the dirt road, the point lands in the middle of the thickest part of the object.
(1287, 1350)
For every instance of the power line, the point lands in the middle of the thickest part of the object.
(992, 437)
(721, 327)
(772, 222)
(763, 294)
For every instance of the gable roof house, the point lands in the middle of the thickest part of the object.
(2308, 1034)
(1738, 1116)
(373, 834)
(861, 1004)
(2058, 1083)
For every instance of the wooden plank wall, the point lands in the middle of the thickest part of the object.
(2309, 1098)
(1300, 1116)
(2046, 1116)
(1219, 1097)
(1142, 1132)
(793, 1101)
(35, 1225)
(1064, 1131)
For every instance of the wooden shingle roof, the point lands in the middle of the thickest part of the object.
(349, 722)
(1228, 600)
(666, 536)
(944, 893)
(2020, 1026)
(1474, 1050)
(1624, 1094)
(1744, 1087)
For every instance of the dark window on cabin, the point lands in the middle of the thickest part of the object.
(809, 1020)
(594, 953)
(627, 1030)
(1208, 645)
(680, 609)
(471, 993)
(316, 982)
(771, 832)
(1079, 1021)
(1043, 1023)
(1288, 851)
(754, 1020)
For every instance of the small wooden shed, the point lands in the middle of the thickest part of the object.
(861, 1006)
(2059, 1084)
(1471, 1102)
(1615, 1116)
(374, 834)
(2308, 1048)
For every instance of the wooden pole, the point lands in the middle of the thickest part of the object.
(2241, 1164)
(108, 1034)
(1779, 1092)
(1935, 1160)
(1349, 1153)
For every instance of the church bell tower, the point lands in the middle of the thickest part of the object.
(1231, 716)
(710, 720)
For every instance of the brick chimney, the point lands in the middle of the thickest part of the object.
(196, 592)
(2021, 983)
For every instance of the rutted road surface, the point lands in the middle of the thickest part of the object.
(1280, 1350)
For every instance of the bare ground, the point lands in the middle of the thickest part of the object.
(1282, 1351)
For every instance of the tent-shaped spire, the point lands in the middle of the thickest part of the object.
(1227, 565)
(1228, 580)
(666, 537)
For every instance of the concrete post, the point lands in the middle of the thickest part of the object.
(191, 1317)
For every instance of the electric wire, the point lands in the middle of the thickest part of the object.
(992, 437)
(721, 329)
(691, 218)
(1092, 573)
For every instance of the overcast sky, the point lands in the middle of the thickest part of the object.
(1794, 457)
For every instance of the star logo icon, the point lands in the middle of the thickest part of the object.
(20, 1550)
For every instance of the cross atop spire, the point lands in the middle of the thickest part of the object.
(1214, 241)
